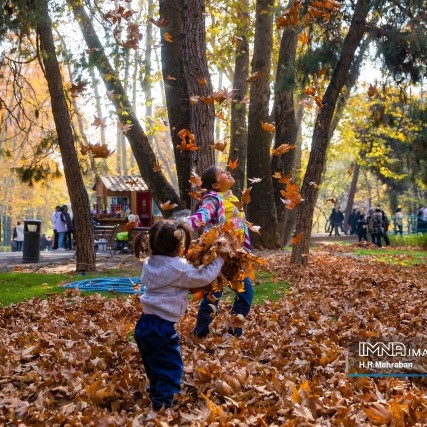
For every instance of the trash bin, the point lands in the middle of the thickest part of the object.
(31, 248)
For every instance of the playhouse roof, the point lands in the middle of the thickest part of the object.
(124, 183)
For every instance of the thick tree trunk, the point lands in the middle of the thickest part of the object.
(177, 98)
(285, 119)
(351, 194)
(261, 210)
(85, 253)
(320, 139)
(202, 116)
(238, 128)
(160, 188)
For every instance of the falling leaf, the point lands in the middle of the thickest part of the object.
(290, 17)
(372, 90)
(303, 38)
(167, 37)
(269, 127)
(246, 198)
(318, 100)
(161, 22)
(297, 239)
(133, 181)
(313, 184)
(254, 76)
(282, 149)
(236, 39)
(157, 167)
(170, 78)
(323, 71)
(254, 228)
(291, 194)
(168, 205)
(194, 99)
(101, 151)
(124, 127)
(233, 165)
(196, 195)
(220, 146)
(221, 117)
(282, 179)
(99, 121)
(187, 141)
(255, 180)
(93, 49)
(350, 170)
(203, 81)
(77, 89)
(195, 179)
(311, 91)
(332, 200)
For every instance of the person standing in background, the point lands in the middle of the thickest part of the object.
(70, 228)
(398, 221)
(18, 236)
(55, 231)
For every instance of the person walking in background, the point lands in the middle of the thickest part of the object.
(18, 236)
(377, 227)
(352, 222)
(332, 220)
(362, 228)
(339, 219)
(386, 226)
(61, 228)
(398, 221)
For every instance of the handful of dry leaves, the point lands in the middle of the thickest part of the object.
(225, 241)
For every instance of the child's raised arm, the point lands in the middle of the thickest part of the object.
(207, 212)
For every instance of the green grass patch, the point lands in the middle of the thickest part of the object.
(395, 256)
(411, 240)
(17, 287)
(267, 289)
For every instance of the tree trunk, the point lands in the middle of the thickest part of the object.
(202, 116)
(320, 139)
(85, 253)
(261, 210)
(238, 127)
(176, 90)
(351, 194)
(161, 190)
(285, 119)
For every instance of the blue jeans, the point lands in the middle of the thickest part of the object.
(61, 239)
(242, 305)
(158, 343)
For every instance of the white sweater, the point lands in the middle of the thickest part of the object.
(166, 281)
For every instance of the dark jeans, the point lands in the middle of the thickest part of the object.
(376, 238)
(19, 245)
(68, 240)
(158, 343)
(362, 236)
(242, 305)
(55, 239)
(398, 229)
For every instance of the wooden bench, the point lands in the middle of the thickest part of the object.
(104, 237)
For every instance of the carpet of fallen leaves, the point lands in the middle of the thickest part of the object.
(69, 361)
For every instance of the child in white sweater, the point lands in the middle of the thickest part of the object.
(167, 278)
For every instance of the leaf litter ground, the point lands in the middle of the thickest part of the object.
(72, 361)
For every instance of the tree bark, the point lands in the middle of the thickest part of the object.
(177, 98)
(351, 194)
(160, 188)
(85, 253)
(285, 119)
(320, 139)
(238, 127)
(261, 210)
(202, 115)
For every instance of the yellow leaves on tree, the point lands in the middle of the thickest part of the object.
(187, 141)
(99, 151)
(282, 149)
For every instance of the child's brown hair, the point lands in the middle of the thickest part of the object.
(165, 238)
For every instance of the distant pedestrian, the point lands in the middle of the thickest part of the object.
(61, 228)
(70, 228)
(352, 222)
(55, 231)
(338, 222)
(18, 236)
(362, 228)
(378, 227)
(398, 221)
(332, 220)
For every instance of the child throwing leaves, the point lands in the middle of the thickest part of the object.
(216, 207)
(167, 278)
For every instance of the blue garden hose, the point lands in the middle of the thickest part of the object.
(105, 284)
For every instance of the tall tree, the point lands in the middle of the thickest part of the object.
(85, 253)
(320, 138)
(144, 155)
(262, 210)
(238, 127)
